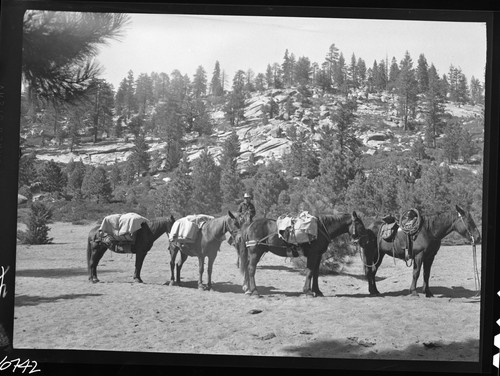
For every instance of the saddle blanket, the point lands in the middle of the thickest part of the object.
(118, 225)
(185, 230)
(297, 230)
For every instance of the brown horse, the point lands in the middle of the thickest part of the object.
(145, 238)
(207, 244)
(425, 246)
(262, 236)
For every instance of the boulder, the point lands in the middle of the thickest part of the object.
(21, 199)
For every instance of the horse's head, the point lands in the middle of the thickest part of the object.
(357, 229)
(233, 223)
(466, 226)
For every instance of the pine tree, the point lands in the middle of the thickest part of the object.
(206, 197)
(58, 48)
(36, 222)
(27, 170)
(407, 89)
(99, 185)
(303, 71)
(433, 107)
(332, 58)
(269, 182)
(361, 72)
(52, 177)
(451, 139)
(143, 91)
(393, 75)
(422, 74)
(338, 165)
(178, 190)
(115, 176)
(75, 179)
(476, 91)
(200, 83)
(140, 157)
(269, 77)
(216, 86)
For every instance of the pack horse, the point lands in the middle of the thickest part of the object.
(124, 233)
(264, 235)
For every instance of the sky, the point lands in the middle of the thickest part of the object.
(163, 42)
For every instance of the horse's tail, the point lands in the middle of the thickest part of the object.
(89, 252)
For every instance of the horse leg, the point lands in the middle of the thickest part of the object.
(417, 266)
(201, 262)
(94, 255)
(179, 267)
(370, 272)
(315, 287)
(311, 262)
(139, 259)
(173, 254)
(427, 272)
(253, 258)
(211, 260)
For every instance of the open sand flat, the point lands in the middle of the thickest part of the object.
(57, 308)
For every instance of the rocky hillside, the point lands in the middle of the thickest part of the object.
(377, 127)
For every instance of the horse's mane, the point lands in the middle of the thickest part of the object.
(431, 220)
(155, 223)
(328, 219)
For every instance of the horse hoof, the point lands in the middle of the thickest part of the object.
(244, 288)
(94, 280)
(318, 294)
(414, 294)
(201, 288)
(138, 280)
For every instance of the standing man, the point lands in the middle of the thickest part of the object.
(246, 208)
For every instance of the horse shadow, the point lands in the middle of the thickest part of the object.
(56, 272)
(29, 300)
(440, 292)
(279, 267)
(361, 277)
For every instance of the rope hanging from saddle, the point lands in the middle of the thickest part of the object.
(410, 223)
(477, 279)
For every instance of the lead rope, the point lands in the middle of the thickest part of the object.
(477, 279)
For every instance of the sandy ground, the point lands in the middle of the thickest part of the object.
(57, 308)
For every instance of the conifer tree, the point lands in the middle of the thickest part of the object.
(206, 198)
(52, 177)
(143, 91)
(476, 91)
(178, 190)
(115, 176)
(422, 74)
(269, 182)
(407, 90)
(140, 158)
(200, 83)
(99, 185)
(27, 170)
(433, 107)
(393, 75)
(75, 178)
(216, 86)
(37, 230)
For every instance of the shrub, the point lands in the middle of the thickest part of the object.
(36, 222)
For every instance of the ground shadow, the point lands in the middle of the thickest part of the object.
(279, 267)
(455, 292)
(361, 277)
(354, 348)
(29, 300)
(57, 272)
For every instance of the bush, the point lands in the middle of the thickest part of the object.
(37, 231)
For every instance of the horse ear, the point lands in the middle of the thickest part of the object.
(230, 214)
(460, 210)
(354, 215)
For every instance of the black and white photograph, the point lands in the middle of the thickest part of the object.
(270, 186)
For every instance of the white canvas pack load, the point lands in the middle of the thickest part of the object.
(185, 230)
(298, 229)
(120, 230)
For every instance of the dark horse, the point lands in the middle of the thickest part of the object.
(145, 238)
(262, 236)
(207, 244)
(425, 246)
